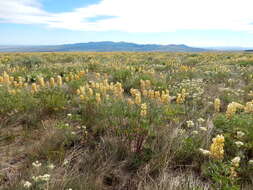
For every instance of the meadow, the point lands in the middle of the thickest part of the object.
(126, 121)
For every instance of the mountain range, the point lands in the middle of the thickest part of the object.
(109, 46)
(106, 46)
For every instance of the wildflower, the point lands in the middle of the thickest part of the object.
(59, 80)
(52, 83)
(239, 144)
(195, 132)
(6, 78)
(233, 172)
(232, 108)
(137, 99)
(98, 98)
(190, 123)
(236, 161)
(181, 97)
(165, 97)
(34, 88)
(45, 177)
(157, 94)
(118, 90)
(41, 81)
(240, 134)
(27, 185)
(130, 101)
(200, 120)
(65, 162)
(36, 164)
(90, 91)
(82, 97)
(250, 162)
(217, 147)
(205, 152)
(143, 109)
(217, 104)
(181, 131)
(203, 128)
(249, 107)
(69, 114)
(35, 178)
(51, 166)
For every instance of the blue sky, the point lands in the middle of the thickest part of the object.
(197, 23)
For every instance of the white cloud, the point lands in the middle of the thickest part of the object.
(137, 15)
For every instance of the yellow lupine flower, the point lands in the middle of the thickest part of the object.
(51, 82)
(98, 98)
(137, 99)
(249, 107)
(41, 81)
(217, 147)
(217, 104)
(59, 80)
(34, 88)
(232, 108)
(143, 109)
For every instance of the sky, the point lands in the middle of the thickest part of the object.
(200, 23)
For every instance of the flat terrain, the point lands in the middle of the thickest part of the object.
(112, 121)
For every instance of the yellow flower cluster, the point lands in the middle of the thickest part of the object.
(217, 104)
(59, 80)
(181, 97)
(5, 78)
(185, 68)
(104, 87)
(249, 107)
(145, 84)
(232, 108)
(34, 88)
(118, 90)
(9, 80)
(13, 91)
(75, 76)
(217, 147)
(15, 69)
(101, 88)
(41, 81)
(19, 81)
(98, 97)
(165, 97)
(235, 164)
(137, 96)
(143, 109)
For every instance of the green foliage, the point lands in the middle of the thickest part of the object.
(52, 100)
(102, 130)
(220, 174)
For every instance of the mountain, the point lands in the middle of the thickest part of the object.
(106, 46)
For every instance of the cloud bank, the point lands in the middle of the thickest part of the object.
(136, 15)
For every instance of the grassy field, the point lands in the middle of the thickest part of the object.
(126, 121)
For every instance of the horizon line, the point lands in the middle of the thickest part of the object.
(138, 43)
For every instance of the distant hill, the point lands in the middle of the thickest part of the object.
(106, 46)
